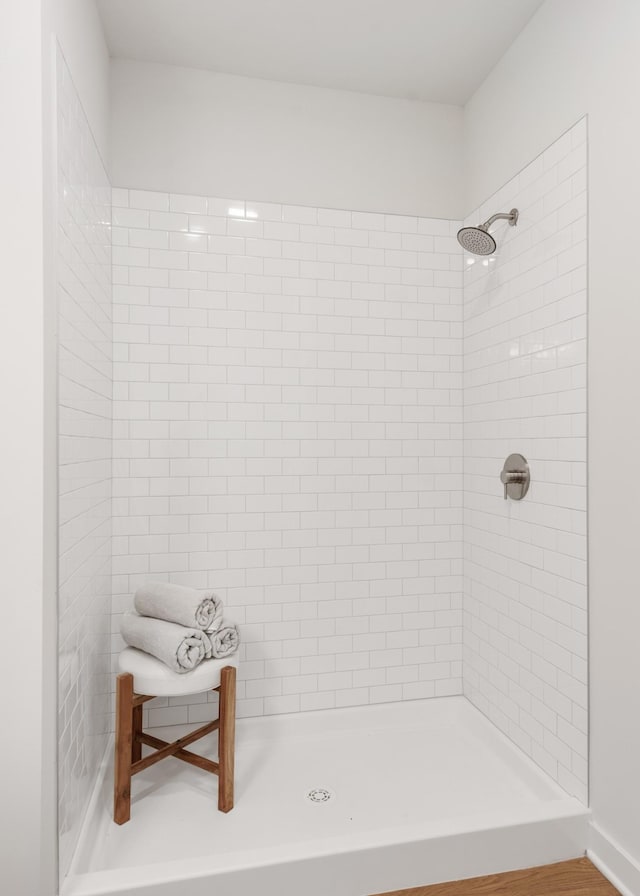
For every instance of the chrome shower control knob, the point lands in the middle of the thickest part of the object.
(515, 477)
(509, 478)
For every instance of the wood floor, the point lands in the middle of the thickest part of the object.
(575, 878)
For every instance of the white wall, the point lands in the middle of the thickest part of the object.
(287, 423)
(85, 385)
(190, 131)
(78, 30)
(525, 602)
(76, 110)
(577, 57)
(28, 386)
(26, 849)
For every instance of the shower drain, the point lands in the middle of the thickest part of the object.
(320, 795)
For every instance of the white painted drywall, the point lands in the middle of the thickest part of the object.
(79, 32)
(413, 49)
(576, 57)
(185, 130)
(21, 448)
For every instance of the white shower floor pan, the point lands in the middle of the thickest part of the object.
(419, 792)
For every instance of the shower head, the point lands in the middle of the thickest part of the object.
(478, 239)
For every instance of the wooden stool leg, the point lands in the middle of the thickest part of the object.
(136, 746)
(226, 738)
(123, 748)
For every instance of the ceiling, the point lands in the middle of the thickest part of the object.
(434, 50)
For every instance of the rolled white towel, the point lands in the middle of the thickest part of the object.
(179, 647)
(225, 641)
(179, 604)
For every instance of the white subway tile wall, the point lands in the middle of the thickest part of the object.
(84, 457)
(525, 604)
(288, 432)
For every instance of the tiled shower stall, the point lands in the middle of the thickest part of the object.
(311, 408)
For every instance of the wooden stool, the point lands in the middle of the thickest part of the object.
(141, 678)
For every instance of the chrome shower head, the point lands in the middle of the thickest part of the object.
(478, 239)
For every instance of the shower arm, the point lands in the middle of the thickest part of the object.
(511, 217)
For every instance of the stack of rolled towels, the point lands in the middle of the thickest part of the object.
(179, 625)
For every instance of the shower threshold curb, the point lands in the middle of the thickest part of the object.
(363, 870)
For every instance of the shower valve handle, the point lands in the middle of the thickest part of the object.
(508, 477)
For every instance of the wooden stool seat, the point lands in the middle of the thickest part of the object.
(143, 677)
